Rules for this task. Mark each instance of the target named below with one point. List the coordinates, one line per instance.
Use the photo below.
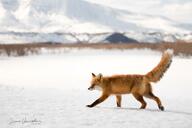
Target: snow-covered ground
(50, 90)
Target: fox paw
(161, 108)
(143, 107)
(90, 106)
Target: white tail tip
(169, 51)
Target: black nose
(90, 88)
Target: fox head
(96, 82)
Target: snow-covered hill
(77, 16)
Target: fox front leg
(101, 99)
(118, 100)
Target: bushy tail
(156, 74)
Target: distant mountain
(78, 16)
(119, 38)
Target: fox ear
(93, 75)
(100, 75)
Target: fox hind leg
(141, 100)
(118, 100)
(158, 101)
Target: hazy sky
(178, 10)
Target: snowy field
(50, 91)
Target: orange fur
(137, 85)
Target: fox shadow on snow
(152, 110)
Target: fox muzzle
(91, 87)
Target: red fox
(137, 85)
